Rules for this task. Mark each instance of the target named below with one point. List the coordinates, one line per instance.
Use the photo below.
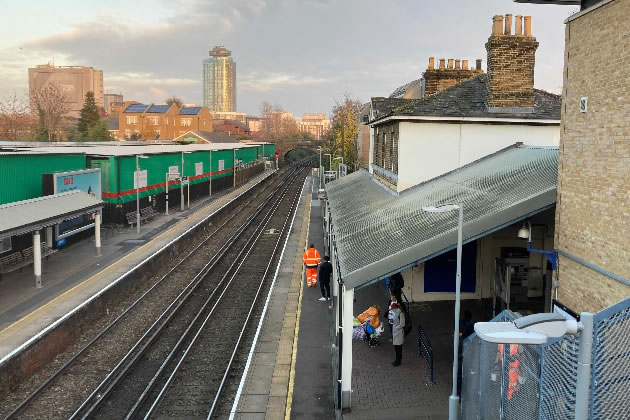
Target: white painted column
(346, 357)
(49, 236)
(37, 259)
(97, 233)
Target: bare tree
(52, 106)
(14, 117)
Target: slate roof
(377, 233)
(468, 99)
(400, 91)
(384, 106)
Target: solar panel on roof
(190, 110)
(136, 108)
(158, 109)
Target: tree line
(45, 118)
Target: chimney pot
(431, 63)
(528, 26)
(508, 25)
(518, 28)
(495, 23)
(450, 63)
(465, 64)
(499, 28)
(457, 65)
(478, 64)
(442, 63)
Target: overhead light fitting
(523, 232)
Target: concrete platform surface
(74, 274)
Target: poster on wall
(221, 165)
(173, 170)
(88, 181)
(140, 179)
(198, 168)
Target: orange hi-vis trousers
(311, 259)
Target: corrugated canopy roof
(378, 233)
(29, 215)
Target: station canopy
(27, 216)
(378, 232)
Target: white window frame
(186, 122)
(132, 120)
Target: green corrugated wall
(21, 175)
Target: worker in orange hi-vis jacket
(513, 373)
(311, 260)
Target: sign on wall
(88, 181)
(173, 169)
(140, 179)
(198, 168)
(221, 165)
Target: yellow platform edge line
(287, 414)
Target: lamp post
(453, 401)
(320, 166)
(330, 164)
(181, 184)
(138, 191)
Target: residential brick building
(192, 118)
(112, 101)
(149, 121)
(314, 124)
(592, 216)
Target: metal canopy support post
(234, 166)
(346, 356)
(37, 259)
(97, 233)
(585, 361)
(49, 237)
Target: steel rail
(140, 299)
(251, 310)
(127, 362)
(201, 328)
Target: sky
(300, 54)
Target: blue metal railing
(425, 350)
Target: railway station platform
(74, 274)
(290, 371)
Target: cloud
(257, 82)
(298, 53)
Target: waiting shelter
(34, 215)
(374, 232)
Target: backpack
(396, 282)
(408, 325)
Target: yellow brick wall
(593, 207)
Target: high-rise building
(75, 81)
(219, 81)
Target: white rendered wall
(428, 150)
(488, 249)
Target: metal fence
(540, 381)
(426, 350)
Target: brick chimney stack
(511, 59)
(449, 73)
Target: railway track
(196, 325)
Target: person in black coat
(325, 271)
